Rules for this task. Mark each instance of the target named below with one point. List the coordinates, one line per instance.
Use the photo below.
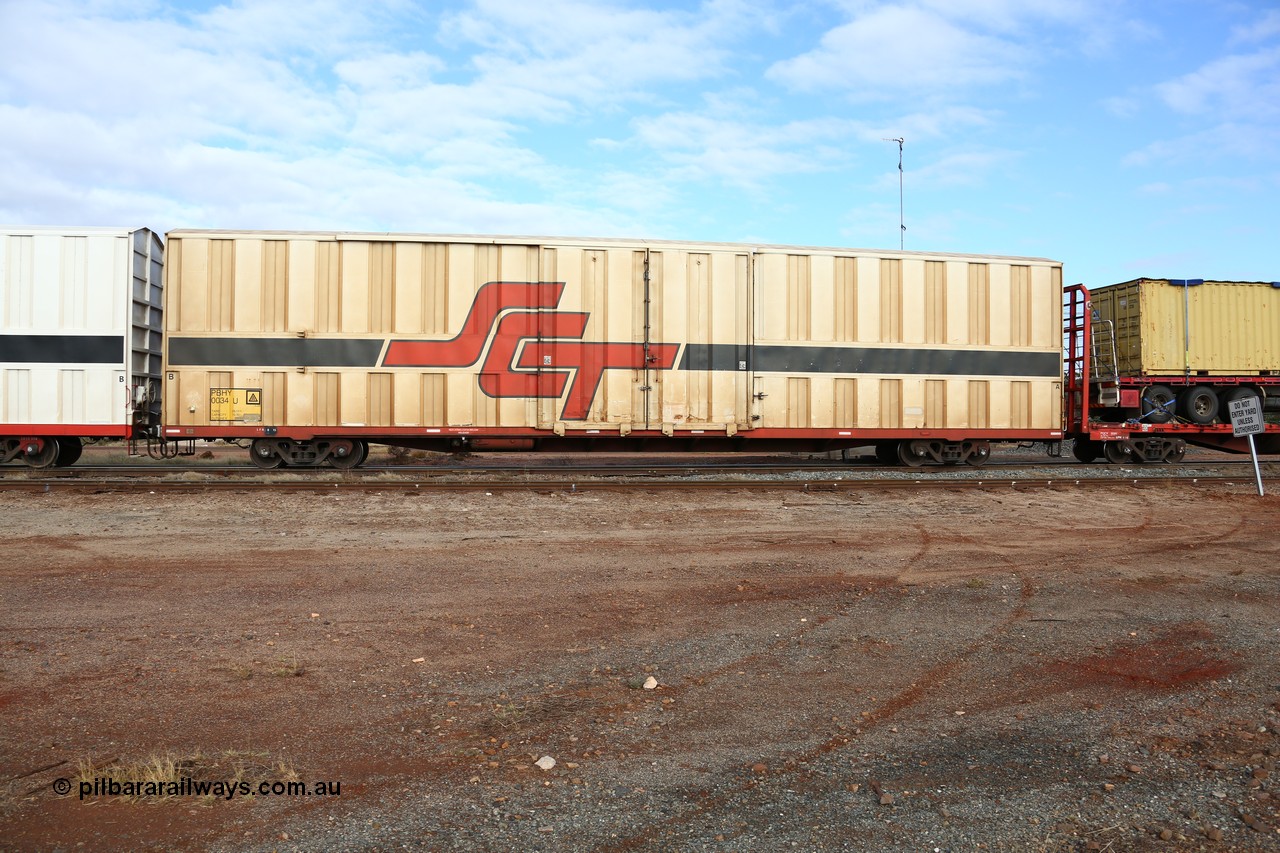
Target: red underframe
(609, 430)
(79, 430)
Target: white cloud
(379, 72)
(588, 52)
(941, 123)
(742, 153)
(158, 71)
(1245, 86)
(896, 48)
(1122, 106)
(962, 168)
(939, 46)
(1265, 27)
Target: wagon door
(703, 300)
(592, 353)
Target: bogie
(279, 452)
(920, 452)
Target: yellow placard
(235, 404)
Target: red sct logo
(531, 351)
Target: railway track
(865, 466)
(809, 477)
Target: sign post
(1246, 419)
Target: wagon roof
(528, 240)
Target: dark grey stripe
(274, 352)
(934, 362)
(716, 357)
(62, 349)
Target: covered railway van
(312, 345)
(80, 339)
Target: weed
(230, 767)
(287, 668)
(508, 714)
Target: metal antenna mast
(902, 223)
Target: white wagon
(80, 338)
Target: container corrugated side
(1214, 328)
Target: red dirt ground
(946, 668)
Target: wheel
(1199, 404)
(45, 457)
(1233, 394)
(913, 454)
(264, 455)
(1157, 404)
(981, 453)
(1086, 450)
(1177, 452)
(887, 453)
(1118, 452)
(348, 454)
(69, 450)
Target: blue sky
(1123, 138)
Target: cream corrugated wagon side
(80, 339)
(312, 345)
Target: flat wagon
(80, 339)
(312, 345)
(1154, 363)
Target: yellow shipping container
(1170, 328)
(310, 334)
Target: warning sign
(1246, 416)
(235, 404)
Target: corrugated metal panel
(328, 399)
(381, 400)
(799, 391)
(1021, 415)
(979, 410)
(845, 293)
(914, 305)
(890, 414)
(846, 401)
(890, 300)
(1020, 306)
(936, 306)
(275, 396)
(979, 304)
(434, 403)
(327, 302)
(1214, 328)
(799, 298)
(935, 404)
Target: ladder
(1104, 370)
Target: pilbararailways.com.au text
(188, 787)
